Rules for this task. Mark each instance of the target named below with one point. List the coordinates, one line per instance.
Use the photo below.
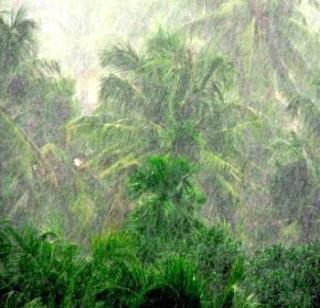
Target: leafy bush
(217, 255)
(40, 271)
(35, 267)
(176, 285)
(283, 277)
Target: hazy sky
(75, 31)
(78, 29)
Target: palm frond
(121, 57)
(27, 143)
(122, 164)
(122, 89)
(219, 165)
(52, 149)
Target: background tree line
(231, 85)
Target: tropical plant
(170, 99)
(270, 42)
(22, 166)
(36, 268)
(17, 45)
(28, 83)
(35, 102)
(274, 51)
(294, 185)
(176, 285)
(42, 271)
(283, 277)
(166, 222)
(168, 200)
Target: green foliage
(244, 128)
(294, 188)
(168, 179)
(272, 46)
(178, 267)
(36, 267)
(167, 199)
(176, 285)
(217, 255)
(22, 166)
(166, 222)
(169, 99)
(39, 270)
(17, 41)
(270, 42)
(283, 277)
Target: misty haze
(160, 153)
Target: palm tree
(295, 190)
(170, 99)
(36, 173)
(23, 171)
(17, 43)
(269, 41)
(274, 52)
(37, 85)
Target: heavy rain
(160, 153)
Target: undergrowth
(164, 256)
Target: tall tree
(169, 99)
(17, 44)
(275, 53)
(269, 41)
(37, 176)
(295, 190)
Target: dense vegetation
(193, 183)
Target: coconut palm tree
(28, 81)
(23, 171)
(269, 41)
(17, 44)
(168, 99)
(36, 173)
(295, 190)
(274, 51)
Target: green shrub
(35, 267)
(41, 271)
(283, 277)
(176, 285)
(117, 274)
(219, 259)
